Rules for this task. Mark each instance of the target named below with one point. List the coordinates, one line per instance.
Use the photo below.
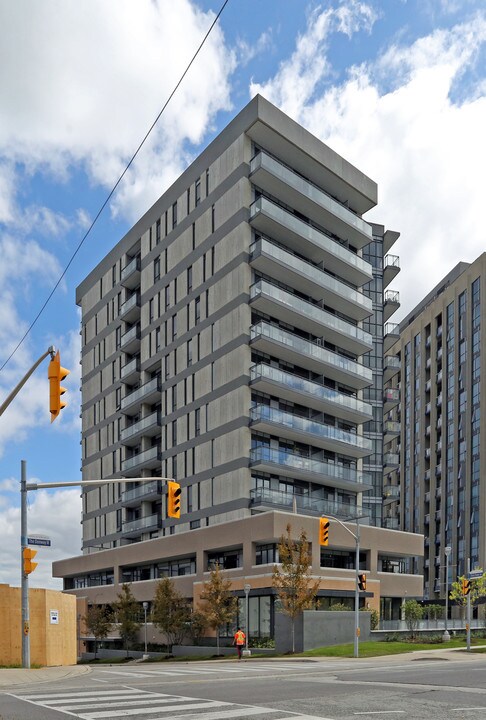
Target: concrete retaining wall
(319, 628)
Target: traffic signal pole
(24, 488)
(50, 351)
(468, 621)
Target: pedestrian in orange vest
(239, 640)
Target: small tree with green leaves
(413, 613)
(198, 626)
(295, 589)
(219, 605)
(478, 591)
(434, 612)
(127, 611)
(98, 621)
(171, 613)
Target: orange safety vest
(240, 637)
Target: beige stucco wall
(50, 644)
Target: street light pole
(446, 637)
(145, 608)
(24, 487)
(247, 589)
(356, 588)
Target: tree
(292, 580)
(478, 591)
(198, 626)
(170, 612)
(413, 613)
(219, 605)
(127, 611)
(98, 621)
(434, 612)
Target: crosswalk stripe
(81, 700)
(81, 694)
(161, 709)
(242, 712)
(121, 703)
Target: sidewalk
(21, 676)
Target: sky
(398, 87)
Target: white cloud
(54, 514)
(91, 79)
(396, 119)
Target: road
(425, 688)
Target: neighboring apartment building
(438, 488)
(233, 340)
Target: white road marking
(160, 709)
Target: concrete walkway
(10, 677)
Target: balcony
(279, 462)
(438, 470)
(439, 353)
(428, 385)
(427, 475)
(285, 424)
(438, 400)
(130, 310)
(147, 393)
(264, 499)
(141, 493)
(291, 387)
(390, 462)
(391, 493)
(391, 429)
(438, 447)
(391, 304)
(146, 460)
(389, 239)
(130, 372)
(391, 367)
(271, 259)
(147, 427)
(391, 523)
(280, 181)
(150, 523)
(130, 341)
(309, 355)
(427, 431)
(391, 334)
(283, 305)
(270, 219)
(427, 453)
(439, 377)
(391, 268)
(427, 519)
(130, 275)
(391, 398)
(427, 408)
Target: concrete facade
(51, 643)
(314, 629)
(234, 341)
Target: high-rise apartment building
(233, 340)
(438, 488)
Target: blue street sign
(45, 542)
(475, 574)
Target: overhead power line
(115, 186)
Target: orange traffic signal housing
(56, 375)
(362, 582)
(324, 531)
(173, 499)
(466, 586)
(28, 554)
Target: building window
(226, 560)
(188, 196)
(197, 310)
(189, 278)
(156, 269)
(197, 188)
(207, 182)
(197, 421)
(189, 352)
(118, 337)
(174, 327)
(213, 218)
(265, 554)
(157, 231)
(174, 214)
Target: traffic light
(324, 531)
(362, 582)
(466, 586)
(56, 375)
(28, 555)
(173, 499)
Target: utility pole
(24, 488)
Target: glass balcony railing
(150, 456)
(391, 395)
(313, 314)
(266, 455)
(150, 522)
(391, 459)
(137, 428)
(304, 503)
(311, 192)
(132, 267)
(320, 431)
(311, 273)
(313, 350)
(150, 388)
(132, 303)
(138, 493)
(307, 387)
(325, 246)
(131, 367)
(130, 336)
